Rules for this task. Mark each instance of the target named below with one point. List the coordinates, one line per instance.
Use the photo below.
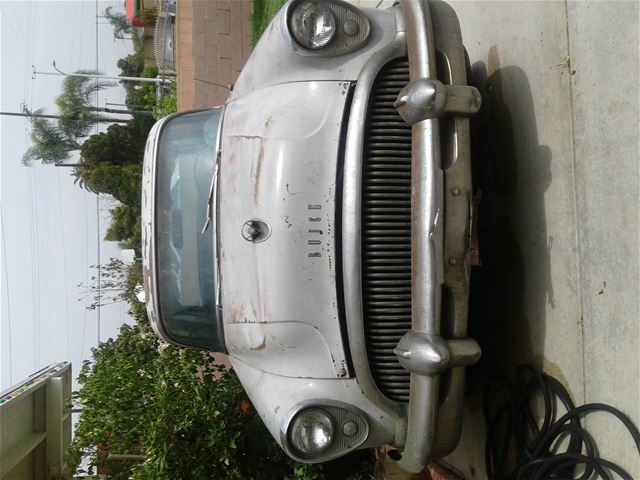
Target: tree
(119, 22)
(50, 143)
(118, 145)
(131, 65)
(121, 182)
(125, 227)
(187, 416)
(54, 141)
(77, 115)
(111, 162)
(118, 282)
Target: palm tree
(77, 115)
(53, 141)
(50, 143)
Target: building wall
(213, 44)
(35, 425)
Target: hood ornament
(256, 231)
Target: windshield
(184, 256)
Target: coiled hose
(514, 424)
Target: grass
(263, 12)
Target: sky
(50, 228)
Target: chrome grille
(386, 230)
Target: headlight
(325, 28)
(312, 24)
(311, 432)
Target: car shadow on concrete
(511, 289)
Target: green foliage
(77, 115)
(54, 141)
(168, 104)
(263, 13)
(116, 390)
(188, 417)
(125, 227)
(118, 145)
(119, 22)
(112, 164)
(131, 65)
(49, 144)
(144, 95)
(121, 182)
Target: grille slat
(386, 230)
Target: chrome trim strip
(215, 212)
(351, 224)
(149, 269)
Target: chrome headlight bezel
(325, 425)
(350, 429)
(351, 32)
(297, 29)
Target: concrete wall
(35, 425)
(213, 44)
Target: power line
(20, 42)
(64, 264)
(86, 256)
(6, 282)
(97, 193)
(35, 269)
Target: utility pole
(59, 73)
(28, 114)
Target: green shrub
(188, 417)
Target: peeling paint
(290, 184)
(256, 172)
(247, 137)
(259, 347)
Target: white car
(334, 192)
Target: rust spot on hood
(260, 347)
(256, 172)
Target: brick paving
(213, 43)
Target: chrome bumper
(422, 351)
(425, 428)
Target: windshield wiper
(212, 194)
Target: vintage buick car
(316, 228)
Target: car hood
(279, 165)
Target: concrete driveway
(561, 206)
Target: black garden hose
(513, 424)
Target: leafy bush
(125, 227)
(168, 104)
(189, 417)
